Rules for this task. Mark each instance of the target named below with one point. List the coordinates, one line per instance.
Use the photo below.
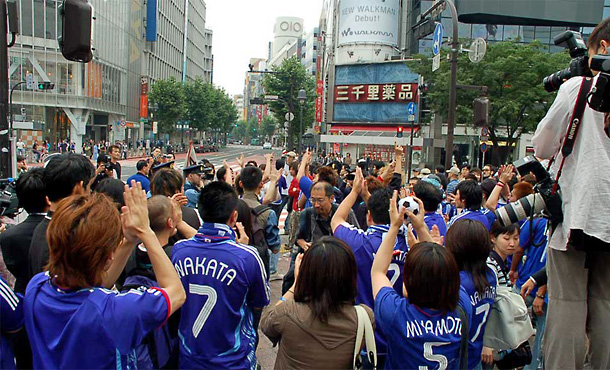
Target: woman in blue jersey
(424, 328)
(469, 242)
(72, 320)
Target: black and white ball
(410, 204)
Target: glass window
(39, 18)
(51, 19)
(26, 17)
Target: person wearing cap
(424, 173)
(453, 175)
(193, 183)
(143, 168)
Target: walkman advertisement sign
(369, 21)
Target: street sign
(436, 62)
(257, 101)
(286, 125)
(19, 117)
(438, 39)
(411, 108)
(154, 127)
(411, 118)
(484, 147)
(272, 97)
(289, 116)
(484, 131)
(477, 50)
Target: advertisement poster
(369, 22)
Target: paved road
(229, 154)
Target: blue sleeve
(351, 235)
(192, 196)
(272, 231)
(146, 186)
(130, 316)
(524, 235)
(387, 305)
(305, 185)
(11, 308)
(259, 292)
(491, 218)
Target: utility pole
(455, 46)
(5, 145)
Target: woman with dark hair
(431, 298)
(316, 320)
(72, 320)
(114, 189)
(505, 240)
(469, 242)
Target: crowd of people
(387, 271)
(102, 266)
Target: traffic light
(399, 131)
(481, 111)
(46, 86)
(76, 36)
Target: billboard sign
(369, 22)
(374, 93)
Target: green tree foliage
(513, 73)
(205, 106)
(240, 130)
(291, 76)
(169, 96)
(268, 127)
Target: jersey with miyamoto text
(224, 281)
(365, 244)
(419, 338)
(481, 307)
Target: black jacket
(15, 243)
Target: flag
(191, 156)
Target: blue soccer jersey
(481, 306)
(534, 258)
(11, 319)
(92, 328)
(365, 245)
(433, 218)
(484, 216)
(419, 338)
(224, 281)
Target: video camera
(545, 200)
(579, 66)
(9, 204)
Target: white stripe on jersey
(8, 295)
(254, 252)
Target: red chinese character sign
(377, 93)
(319, 100)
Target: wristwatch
(539, 296)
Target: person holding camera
(578, 258)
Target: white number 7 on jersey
(207, 307)
(483, 309)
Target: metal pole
(5, 157)
(10, 104)
(455, 44)
(301, 130)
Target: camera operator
(577, 265)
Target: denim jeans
(273, 261)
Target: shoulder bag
(365, 329)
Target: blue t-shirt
(484, 216)
(141, 179)
(365, 246)
(534, 258)
(481, 306)
(419, 337)
(433, 218)
(224, 281)
(11, 319)
(92, 328)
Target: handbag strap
(359, 334)
(369, 336)
(463, 364)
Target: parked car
(267, 145)
(204, 147)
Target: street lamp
(301, 97)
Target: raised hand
(241, 233)
(134, 215)
(398, 150)
(180, 198)
(436, 235)
(241, 161)
(506, 173)
(396, 217)
(358, 181)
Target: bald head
(160, 209)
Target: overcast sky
(242, 30)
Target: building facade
(100, 100)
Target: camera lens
(519, 210)
(554, 81)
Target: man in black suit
(15, 243)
